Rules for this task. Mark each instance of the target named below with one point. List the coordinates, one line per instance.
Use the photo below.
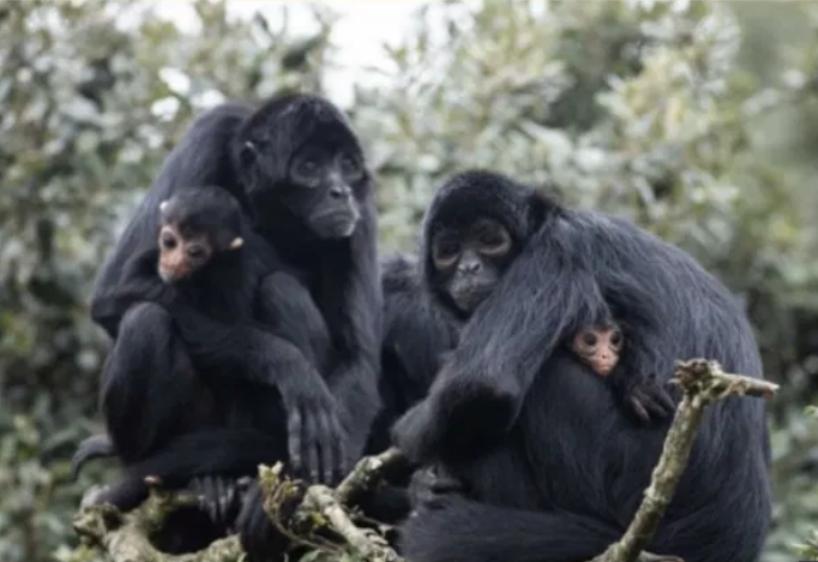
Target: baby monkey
(599, 346)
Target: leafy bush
(649, 110)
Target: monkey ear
(163, 206)
(237, 243)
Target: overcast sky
(363, 27)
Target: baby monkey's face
(599, 347)
(188, 242)
(182, 254)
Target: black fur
(341, 275)
(552, 466)
(213, 313)
(416, 334)
(421, 324)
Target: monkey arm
(252, 352)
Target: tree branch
(320, 518)
(322, 509)
(125, 537)
(702, 383)
(315, 517)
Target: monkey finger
(217, 514)
(660, 407)
(326, 439)
(226, 490)
(203, 487)
(311, 449)
(639, 409)
(294, 428)
(339, 450)
(659, 397)
(666, 399)
(653, 406)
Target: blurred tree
(649, 109)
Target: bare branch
(368, 473)
(702, 382)
(124, 537)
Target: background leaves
(697, 120)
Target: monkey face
(181, 256)
(323, 181)
(599, 347)
(195, 228)
(469, 261)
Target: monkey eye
(168, 241)
(494, 240)
(197, 253)
(616, 338)
(590, 339)
(350, 168)
(307, 172)
(494, 244)
(446, 253)
(307, 167)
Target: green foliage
(93, 100)
(794, 485)
(652, 110)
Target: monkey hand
(316, 439)
(645, 396)
(219, 497)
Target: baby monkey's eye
(196, 252)
(169, 241)
(590, 339)
(616, 338)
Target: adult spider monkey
(298, 170)
(548, 465)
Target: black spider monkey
(471, 236)
(547, 465)
(298, 170)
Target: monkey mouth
(336, 224)
(467, 297)
(168, 276)
(605, 369)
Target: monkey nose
(339, 191)
(470, 267)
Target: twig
(301, 515)
(702, 382)
(125, 537)
(367, 543)
(368, 473)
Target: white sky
(363, 27)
